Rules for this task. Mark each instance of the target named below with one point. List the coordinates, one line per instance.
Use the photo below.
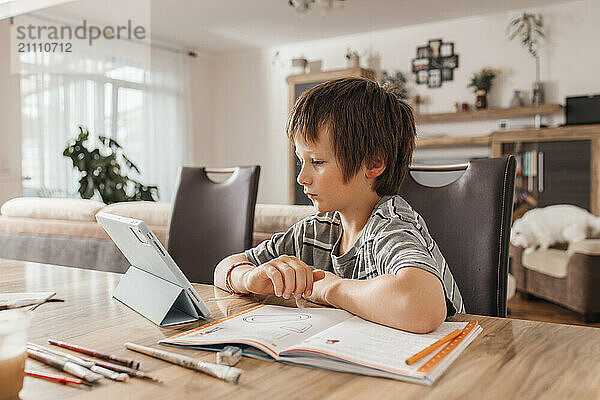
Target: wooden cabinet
(567, 163)
(298, 84)
(565, 173)
(553, 172)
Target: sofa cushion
(511, 287)
(52, 208)
(273, 218)
(550, 262)
(152, 213)
(590, 247)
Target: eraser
(230, 355)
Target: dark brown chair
(211, 220)
(470, 220)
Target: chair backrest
(211, 220)
(470, 221)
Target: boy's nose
(302, 178)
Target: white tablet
(143, 250)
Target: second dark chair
(470, 221)
(211, 220)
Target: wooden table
(510, 359)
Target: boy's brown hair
(365, 121)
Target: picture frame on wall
(447, 49)
(423, 52)
(435, 46)
(450, 62)
(435, 78)
(447, 74)
(434, 63)
(422, 76)
(420, 64)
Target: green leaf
(103, 174)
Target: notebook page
(362, 342)
(269, 328)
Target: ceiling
(222, 26)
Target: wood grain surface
(510, 359)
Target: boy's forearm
(386, 301)
(236, 275)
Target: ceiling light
(324, 6)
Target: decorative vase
(537, 97)
(315, 66)
(299, 65)
(481, 100)
(517, 100)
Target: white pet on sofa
(542, 227)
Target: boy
(366, 251)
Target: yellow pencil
(430, 348)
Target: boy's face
(323, 179)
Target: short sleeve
(279, 244)
(405, 246)
(398, 247)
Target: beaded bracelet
(228, 285)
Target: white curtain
(144, 106)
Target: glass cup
(14, 325)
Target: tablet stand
(161, 301)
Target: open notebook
(331, 339)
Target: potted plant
(482, 81)
(102, 171)
(396, 82)
(529, 28)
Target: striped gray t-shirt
(395, 236)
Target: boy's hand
(283, 276)
(322, 288)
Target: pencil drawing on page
(269, 319)
(291, 322)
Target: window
(143, 110)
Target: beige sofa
(65, 231)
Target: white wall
(250, 94)
(250, 106)
(202, 109)
(10, 122)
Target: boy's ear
(375, 167)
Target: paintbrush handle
(119, 368)
(52, 377)
(94, 353)
(229, 374)
(70, 357)
(66, 366)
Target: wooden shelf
(575, 132)
(327, 75)
(490, 113)
(571, 132)
(451, 141)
